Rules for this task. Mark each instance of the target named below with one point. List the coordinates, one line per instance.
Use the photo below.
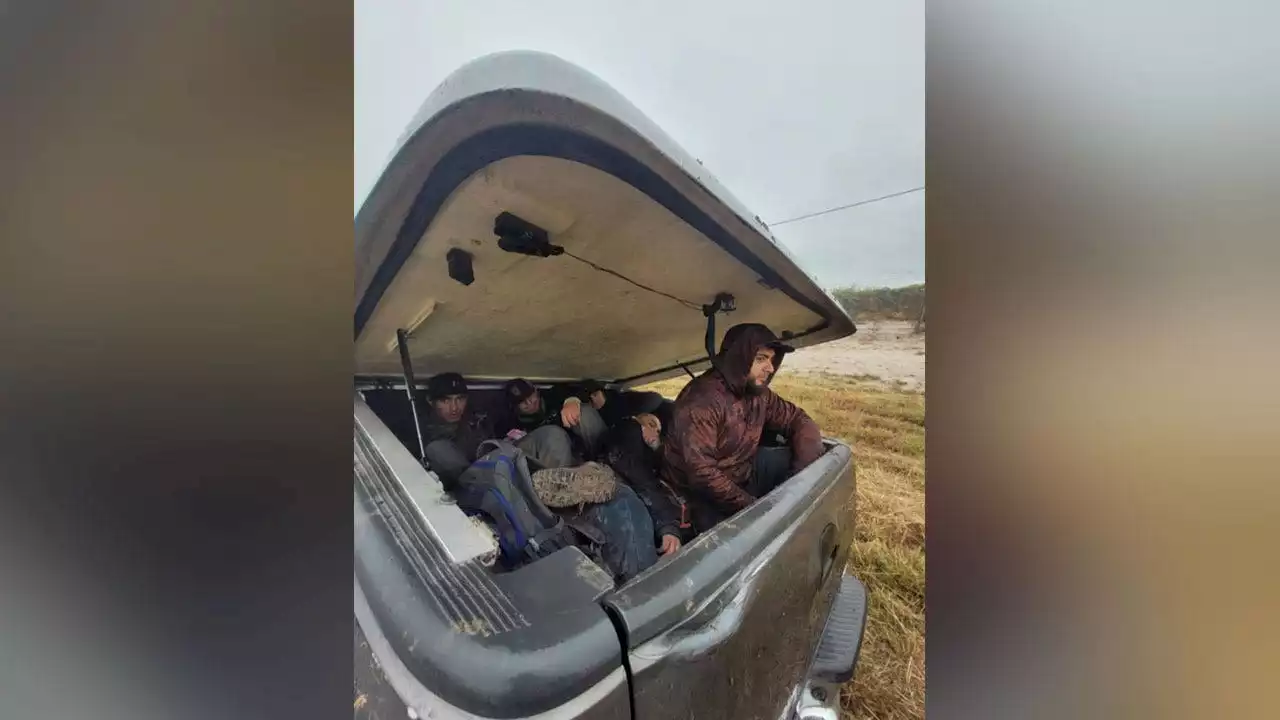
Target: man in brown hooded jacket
(713, 454)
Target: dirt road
(886, 351)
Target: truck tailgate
(730, 626)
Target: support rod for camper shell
(402, 340)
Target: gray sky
(795, 106)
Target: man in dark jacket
(532, 413)
(559, 431)
(452, 433)
(632, 450)
(713, 454)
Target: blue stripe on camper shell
(497, 143)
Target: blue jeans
(550, 446)
(628, 549)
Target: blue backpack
(498, 488)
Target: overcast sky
(795, 106)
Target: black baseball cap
(518, 390)
(446, 384)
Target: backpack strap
(488, 446)
(522, 480)
(548, 541)
(590, 540)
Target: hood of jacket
(738, 351)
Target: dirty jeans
(628, 530)
(624, 521)
(550, 446)
(448, 462)
(590, 430)
(628, 549)
(547, 447)
(772, 467)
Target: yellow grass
(885, 427)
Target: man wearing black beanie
(452, 431)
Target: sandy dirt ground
(886, 351)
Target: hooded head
(749, 356)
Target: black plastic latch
(520, 236)
(724, 302)
(460, 269)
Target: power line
(696, 306)
(845, 207)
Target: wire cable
(642, 286)
(698, 307)
(844, 207)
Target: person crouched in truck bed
(453, 430)
(633, 451)
(712, 455)
(617, 407)
(531, 415)
(558, 434)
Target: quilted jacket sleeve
(806, 436)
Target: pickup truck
(533, 223)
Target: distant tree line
(901, 303)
